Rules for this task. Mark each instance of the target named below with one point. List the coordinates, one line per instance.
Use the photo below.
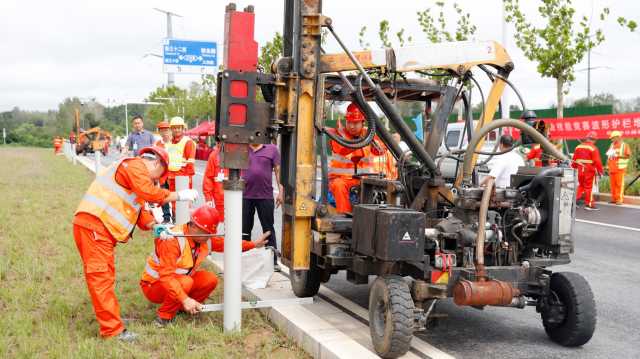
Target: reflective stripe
(590, 148)
(110, 210)
(209, 245)
(584, 161)
(152, 272)
(182, 271)
(111, 185)
(341, 171)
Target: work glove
(159, 229)
(187, 195)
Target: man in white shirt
(504, 165)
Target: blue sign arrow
(190, 56)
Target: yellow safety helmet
(177, 121)
(615, 134)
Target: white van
(455, 139)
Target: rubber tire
(306, 283)
(581, 316)
(391, 316)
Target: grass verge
(46, 310)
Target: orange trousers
(197, 286)
(97, 253)
(617, 186)
(586, 179)
(340, 187)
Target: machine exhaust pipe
(483, 292)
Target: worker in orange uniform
(165, 134)
(344, 160)
(107, 215)
(212, 181)
(182, 155)
(172, 275)
(535, 155)
(165, 140)
(57, 144)
(586, 159)
(617, 161)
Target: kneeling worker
(172, 275)
(107, 215)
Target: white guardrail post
(233, 251)
(182, 207)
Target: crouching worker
(172, 275)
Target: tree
(270, 52)
(561, 44)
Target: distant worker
(617, 161)
(504, 165)
(107, 215)
(57, 144)
(139, 138)
(72, 137)
(172, 275)
(165, 139)
(182, 153)
(586, 159)
(212, 182)
(535, 155)
(347, 162)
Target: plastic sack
(257, 267)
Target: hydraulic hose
(387, 107)
(537, 179)
(385, 136)
(537, 136)
(482, 220)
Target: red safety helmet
(161, 153)
(162, 125)
(354, 114)
(591, 135)
(206, 218)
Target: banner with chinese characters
(578, 127)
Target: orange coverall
(341, 170)
(617, 165)
(97, 246)
(536, 155)
(586, 159)
(212, 189)
(171, 289)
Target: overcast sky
(51, 50)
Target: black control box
(388, 233)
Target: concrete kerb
(606, 197)
(315, 335)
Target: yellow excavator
(424, 237)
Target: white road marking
(608, 225)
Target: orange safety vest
(620, 161)
(117, 207)
(342, 166)
(184, 265)
(587, 157)
(386, 164)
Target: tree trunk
(560, 97)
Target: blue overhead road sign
(185, 56)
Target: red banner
(578, 127)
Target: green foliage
(435, 27)
(194, 104)
(270, 52)
(560, 44)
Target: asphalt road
(606, 255)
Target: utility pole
(589, 76)
(169, 14)
(505, 43)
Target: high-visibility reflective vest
(176, 154)
(385, 164)
(186, 262)
(343, 166)
(617, 162)
(587, 157)
(117, 207)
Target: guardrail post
(182, 207)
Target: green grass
(44, 305)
